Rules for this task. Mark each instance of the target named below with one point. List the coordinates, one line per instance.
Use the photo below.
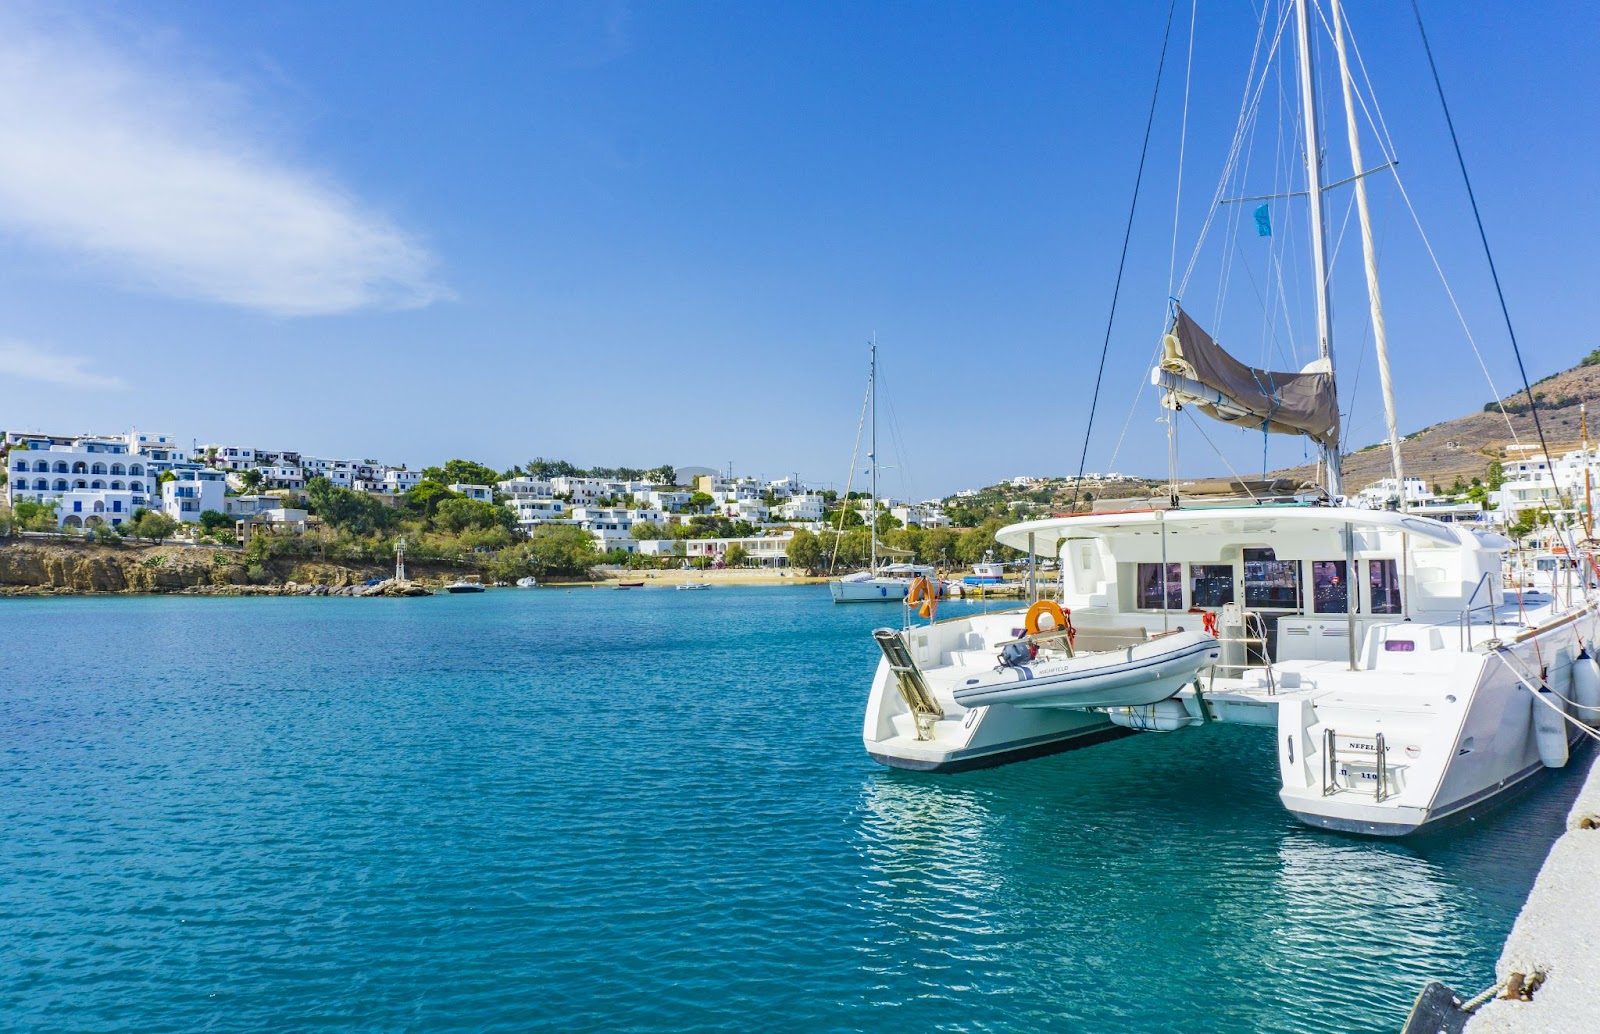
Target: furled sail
(1196, 371)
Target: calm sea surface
(651, 810)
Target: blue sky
(633, 234)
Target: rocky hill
(1465, 446)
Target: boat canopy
(1196, 371)
(1244, 521)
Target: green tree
(1496, 475)
(665, 474)
(887, 522)
(151, 525)
(560, 549)
(938, 546)
(214, 521)
(423, 499)
(648, 530)
(36, 516)
(251, 481)
(805, 551)
(347, 509)
(544, 469)
(973, 544)
(735, 556)
(699, 501)
(462, 472)
(459, 515)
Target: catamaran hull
(1143, 674)
(874, 591)
(1442, 764)
(1004, 754)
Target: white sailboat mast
(1319, 243)
(1369, 253)
(872, 508)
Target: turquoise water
(651, 811)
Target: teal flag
(1263, 222)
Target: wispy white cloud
(147, 165)
(32, 363)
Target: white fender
(1586, 689)
(1550, 730)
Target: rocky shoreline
(68, 568)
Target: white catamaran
(1405, 683)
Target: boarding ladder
(1358, 750)
(908, 679)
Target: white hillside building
(192, 492)
(92, 480)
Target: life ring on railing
(1208, 618)
(1059, 618)
(926, 593)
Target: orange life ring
(923, 591)
(1059, 619)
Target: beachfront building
(762, 550)
(189, 493)
(92, 480)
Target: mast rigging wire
(1127, 237)
(1494, 274)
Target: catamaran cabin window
(1383, 583)
(1330, 588)
(1152, 587)
(1270, 582)
(1210, 585)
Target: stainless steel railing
(1464, 625)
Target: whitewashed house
(807, 507)
(92, 480)
(192, 492)
(477, 493)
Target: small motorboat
(1123, 676)
(527, 583)
(694, 585)
(464, 585)
(630, 585)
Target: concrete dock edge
(1556, 939)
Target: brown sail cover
(1284, 403)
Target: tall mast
(1319, 243)
(872, 509)
(1369, 253)
(1588, 489)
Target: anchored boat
(1405, 683)
(1399, 675)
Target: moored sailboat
(1406, 687)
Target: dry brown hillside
(1464, 446)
